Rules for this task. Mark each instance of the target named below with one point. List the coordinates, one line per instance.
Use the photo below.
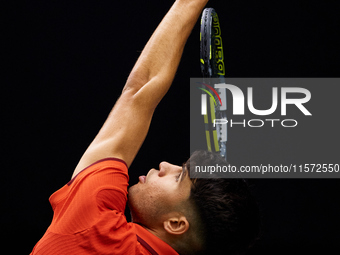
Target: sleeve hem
(98, 161)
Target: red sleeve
(100, 187)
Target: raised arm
(127, 125)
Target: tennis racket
(212, 66)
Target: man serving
(171, 212)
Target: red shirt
(89, 216)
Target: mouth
(142, 178)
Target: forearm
(161, 56)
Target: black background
(64, 65)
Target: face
(159, 193)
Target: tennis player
(171, 212)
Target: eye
(177, 177)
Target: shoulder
(88, 186)
(100, 187)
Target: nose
(165, 168)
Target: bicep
(124, 130)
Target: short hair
(230, 219)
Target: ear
(176, 225)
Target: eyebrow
(184, 172)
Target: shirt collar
(152, 243)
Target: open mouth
(142, 178)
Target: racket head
(211, 47)
(212, 66)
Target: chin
(132, 190)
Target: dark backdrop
(66, 63)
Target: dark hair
(229, 213)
